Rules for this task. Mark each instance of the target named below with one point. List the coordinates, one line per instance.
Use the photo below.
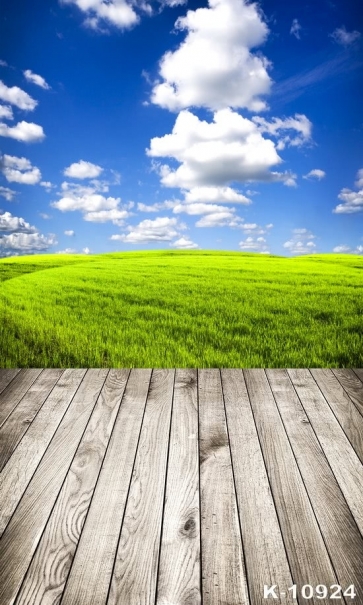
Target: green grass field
(181, 309)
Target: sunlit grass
(181, 309)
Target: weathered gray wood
(351, 383)
(6, 376)
(90, 575)
(266, 561)
(344, 409)
(15, 391)
(359, 373)
(135, 572)
(340, 532)
(18, 422)
(223, 567)
(179, 567)
(305, 547)
(24, 530)
(19, 470)
(46, 577)
(345, 463)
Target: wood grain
(353, 386)
(46, 577)
(359, 373)
(136, 564)
(15, 391)
(343, 460)
(306, 551)
(340, 532)
(19, 470)
(342, 406)
(223, 567)
(25, 528)
(90, 575)
(179, 567)
(6, 376)
(19, 420)
(266, 561)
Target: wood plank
(223, 567)
(19, 470)
(6, 376)
(359, 373)
(90, 575)
(306, 551)
(179, 567)
(46, 577)
(265, 555)
(15, 391)
(135, 571)
(340, 532)
(25, 528)
(343, 460)
(353, 386)
(344, 409)
(18, 422)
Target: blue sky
(129, 125)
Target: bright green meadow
(181, 309)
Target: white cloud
(13, 224)
(215, 195)
(213, 154)
(70, 233)
(44, 216)
(316, 173)
(86, 203)
(343, 37)
(214, 66)
(3, 63)
(6, 112)
(161, 229)
(220, 218)
(83, 170)
(19, 170)
(86, 250)
(103, 216)
(67, 251)
(17, 96)
(36, 79)
(149, 207)
(7, 193)
(254, 244)
(118, 13)
(301, 242)
(299, 123)
(295, 29)
(25, 243)
(184, 243)
(27, 132)
(352, 200)
(342, 249)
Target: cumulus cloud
(214, 154)
(19, 170)
(19, 237)
(295, 29)
(161, 229)
(70, 233)
(341, 36)
(17, 96)
(299, 123)
(344, 249)
(118, 13)
(352, 200)
(67, 251)
(7, 193)
(214, 66)
(36, 79)
(184, 243)
(83, 170)
(316, 173)
(215, 195)
(116, 216)
(86, 203)
(27, 132)
(6, 112)
(301, 242)
(254, 244)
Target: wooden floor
(180, 487)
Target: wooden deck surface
(186, 487)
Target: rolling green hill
(181, 309)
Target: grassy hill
(181, 309)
